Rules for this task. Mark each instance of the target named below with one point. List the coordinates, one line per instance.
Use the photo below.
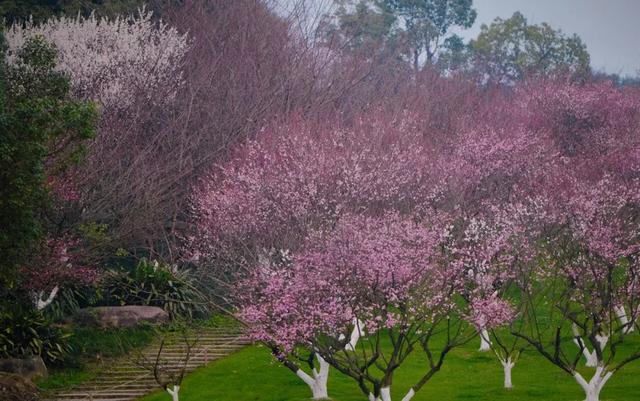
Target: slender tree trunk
(485, 342)
(356, 333)
(624, 320)
(385, 395)
(507, 365)
(43, 303)
(590, 356)
(317, 383)
(174, 392)
(593, 387)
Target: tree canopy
(42, 132)
(415, 29)
(510, 49)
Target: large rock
(121, 316)
(17, 388)
(31, 368)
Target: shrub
(72, 298)
(24, 332)
(155, 284)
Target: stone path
(124, 380)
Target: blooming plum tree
(589, 266)
(486, 247)
(294, 182)
(385, 271)
(112, 61)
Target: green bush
(42, 133)
(71, 298)
(155, 284)
(25, 332)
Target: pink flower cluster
(389, 224)
(382, 270)
(59, 261)
(490, 312)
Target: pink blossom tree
(302, 177)
(386, 271)
(590, 270)
(63, 258)
(287, 195)
(560, 143)
(297, 180)
(585, 172)
(484, 249)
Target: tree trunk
(43, 303)
(356, 333)
(385, 395)
(590, 356)
(317, 383)
(624, 320)
(174, 392)
(593, 387)
(485, 342)
(585, 351)
(507, 365)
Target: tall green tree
(428, 23)
(364, 24)
(511, 49)
(417, 29)
(41, 133)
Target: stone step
(193, 351)
(202, 344)
(181, 356)
(110, 391)
(127, 381)
(102, 397)
(101, 386)
(114, 381)
(94, 397)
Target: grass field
(251, 375)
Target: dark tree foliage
(41, 130)
(40, 10)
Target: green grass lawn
(251, 375)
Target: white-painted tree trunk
(43, 303)
(485, 342)
(593, 387)
(590, 356)
(385, 395)
(174, 392)
(507, 366)
(317, 383)
(356, 333)
(624, 320)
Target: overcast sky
(610, 28)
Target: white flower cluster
(112, 61)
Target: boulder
(121, 316)
(31, 368)
(17, 388)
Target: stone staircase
(125, 380)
